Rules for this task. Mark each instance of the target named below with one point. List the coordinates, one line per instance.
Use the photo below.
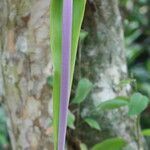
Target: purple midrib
(65, 76)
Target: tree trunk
(26, 64)
(103, 62)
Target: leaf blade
(56, 47)
(110, 144)
(78, 14)
(71, 120)
(113, 104)
(56, 44)
(92, 123)
(137, 104)
(83, 89)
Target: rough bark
(103, 62)
(26, 64)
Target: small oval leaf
(83, 89)
(137, 104)
(92, 123)
(110, 144)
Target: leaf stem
(139, 136)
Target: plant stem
(138, 128)
(79, 77)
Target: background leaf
(71, 120)
(50, 81)
(126, 82)
(83, 89)
(3, 140)
(83, 146)
(146, 132)
(92, 123)
(83, 35)
(110, 144)
(3, 129)
(113, 104)
(137, 104)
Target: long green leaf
(56, 45)
(78, 13)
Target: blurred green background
(136, 17)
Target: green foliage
(126, 82)
(92, 123)
(113, 104)
(78, 14)
(3, 140)
(83, 146)
(146, 132)
(111, 144)
(137, 33)
(71, 120)
(3, 130)
(56, 47)
(145, 88)
(137, 104)
(50, 81)
(83, 89)
(136, 27)
(56, 44)
(83, 35)
(136, 40)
